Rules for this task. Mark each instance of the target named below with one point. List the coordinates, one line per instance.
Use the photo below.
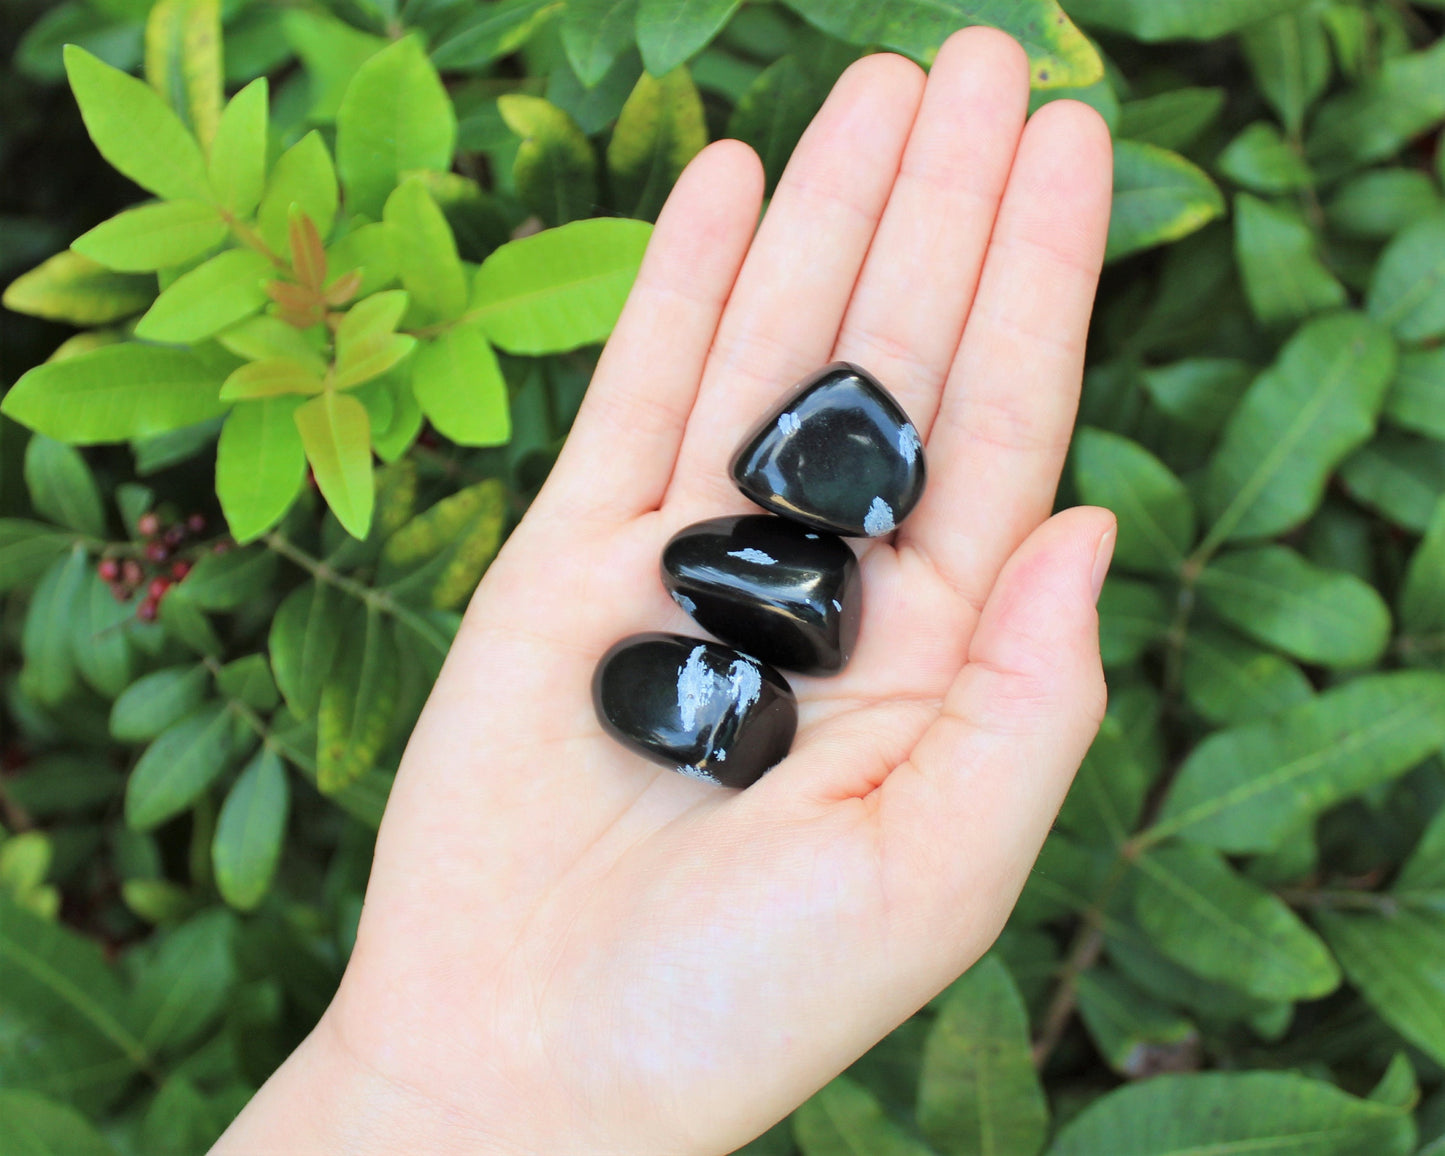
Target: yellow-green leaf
(459, 386)
(1158, 197)
(337, 435)
(151, 237)
(304, 176)
(71, 287)
(226, 289)
(183, 61)
(555, 170)
(135, 130)
(271, 377)
(238, 154)
(660, 129)
(425, 252)
(358, 704)
(260, 465)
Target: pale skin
(568, 950)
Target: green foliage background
(322, 372)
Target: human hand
(567, 950)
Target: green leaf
(185, 982)
(660, 129)
(238, 154)
(1132, 617)
(1156, 517)
(367, 344)
(260, 465)
(1158, 197)
(333, 51)
(1399, 477)
(249, 833)
(175, 770)
(844, 1119)
(61, 981)
(1198, 391)
(258, 338)
(1422, 595)
(115, 393)
(559, 289)
(1177, 19)
(1374, 120)
(774, 111)
(555, 170)
(358, 704)
(1417, 398)
(186, 622)
(426, 253)
(305, 177)
(248, 680)
(395, 117)
(26, 549)
(1107, 795)
(275, 377)
(231, 580)
(37, 1126)
(1131, 1030)
(180, 1120)
(1262, 160)
(672, 32)
(1301, 417)
(1234, 1112)
(157, 701)
(1248, 788)
(100, 637)
(226, 289)
(1217, 923)
(49, 672)
(1275, 596)
(1407, 291)
(1424, 871)
(1060, 55)
(183, 61)
(1283, 278)
(61, 486)
(134, 129)
(1290, 58)
(492, 31)
(336, 434)
(1397, 962)
(1231, 681)
(439, 556)
(460, 387)
(305, 636)
(1378, 204)
(978, 1091)
(1173, 119)
(595, 33)
(156, 236)
(72, 288)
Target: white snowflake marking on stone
(721, 755)
(878, 519)
(814, 537)
(908, 443)
(838, 606)
(788, 423)
(694, 687)
(751, 555)
(684, 601)
(698, 773)
(745, 683)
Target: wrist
(325, 1101)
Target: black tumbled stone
(699, 707)
(838, 453)
(771, 587)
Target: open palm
(566, 949)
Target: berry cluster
(158, 567)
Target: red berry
(175, 536)
(222, 547)
(109, 569)
(146, 611)
(196, 523)
(148, 525)
(158, 587)
(130, 572)
(157, 551)
(180, 569)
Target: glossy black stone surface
(770, 587)
(701, 708)
(838, 453)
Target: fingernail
(1103, 555)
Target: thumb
(984, 783)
